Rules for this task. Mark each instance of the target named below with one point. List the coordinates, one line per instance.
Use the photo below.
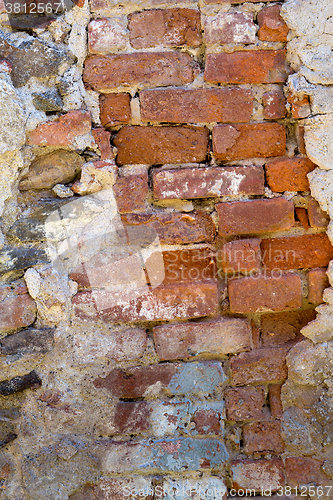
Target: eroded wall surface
(161, 251)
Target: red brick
(209, 182)
(300, 108)
(258, 366)
(62, 131)
(280, 328)
(104, 73)
(262, 437)
(254, 66)
(189, 264)
(272, 27)
(225, 336)
(174, 228)
(164, 303)
(166, 27)
(274, 104)
(16, 312)
(157, 145)
(207, 422)
(131, 192)
(131, 417)
(297, 252)
(317, 282)
(255, 216)
(275, 403)
(196, 106)
(304, 470)
(289, 174)
(272, 293)
(317, 217)
(102, 139)
(230, 27)
(257, 474)
(240, 256)
(258, 140)
(301, 215)
(245, 403)
(115, 109)
(106, 35)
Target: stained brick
(156, 145)
(255, 66)
(17, 312)
(304, 470)
(245, 403)
(274, 104)
(257, 474)
(131, 192)
(280, 328)
(317, 217)
(169, 302)
(188, 183)
(131, 417)
(255, 216)
(196, 106)
(317, 282)
(258, 366)
(166, 27)
(297, 252)
(263, 436)
(207, 422)
(189, 264)
(238, 142)
(115, 109)
(230, 27)
(272, 293)
(289, 174)
(240, 256)
(272, 27)
(225, 336)
(104, 73)
(106, 35)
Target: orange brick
(289, 174)
(255, 66)
(317, 282)
(317, 217)
(255, 216)
(240, 256)
(297, 252)
(265, 293)
(115, 109)
(274, 103)
(272, 27)
(241, 141)
(189, 264)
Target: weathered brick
(255, 66)
(130, 417)
(257, 474)
(280, 328)
(299, 133)
(273, 293)
(258, 140)
(245, 403)
(207, 422)
(317, 282)
(16, 312)
(230, 27)
(204, 487)
(257, 366)
(163, 379)
(102, 139)
(169, 302)
(156, 145)
(275, 403)
(166, 27)
(174, 228)
(272, 27)
(301, 215)
(115, 109)
(225, 336)
(263, 436)
(117, 489)
(274, 104)
(168, 418)
(304, 470)
(240, 256)
(189, 264)
(196, 106)
(255, 216)
(289, 174)
(104, 73)
(131, 192)
(317, 217)
(63, 131)
(297, 252)
(106, 35)
(209, 182)
(126, 344)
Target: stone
(7, 433)
(27, 341)
(301, 433)
(20, 258)
(29, 381)
(47, 101)
(59, 167)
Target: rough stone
(47, 101)
(20, 258)
(29, 381)
(27, 341)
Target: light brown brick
(279, 328)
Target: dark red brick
(131, 192)
(304, 470)
(131, 417)
(274, 105)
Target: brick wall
(163, 369)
